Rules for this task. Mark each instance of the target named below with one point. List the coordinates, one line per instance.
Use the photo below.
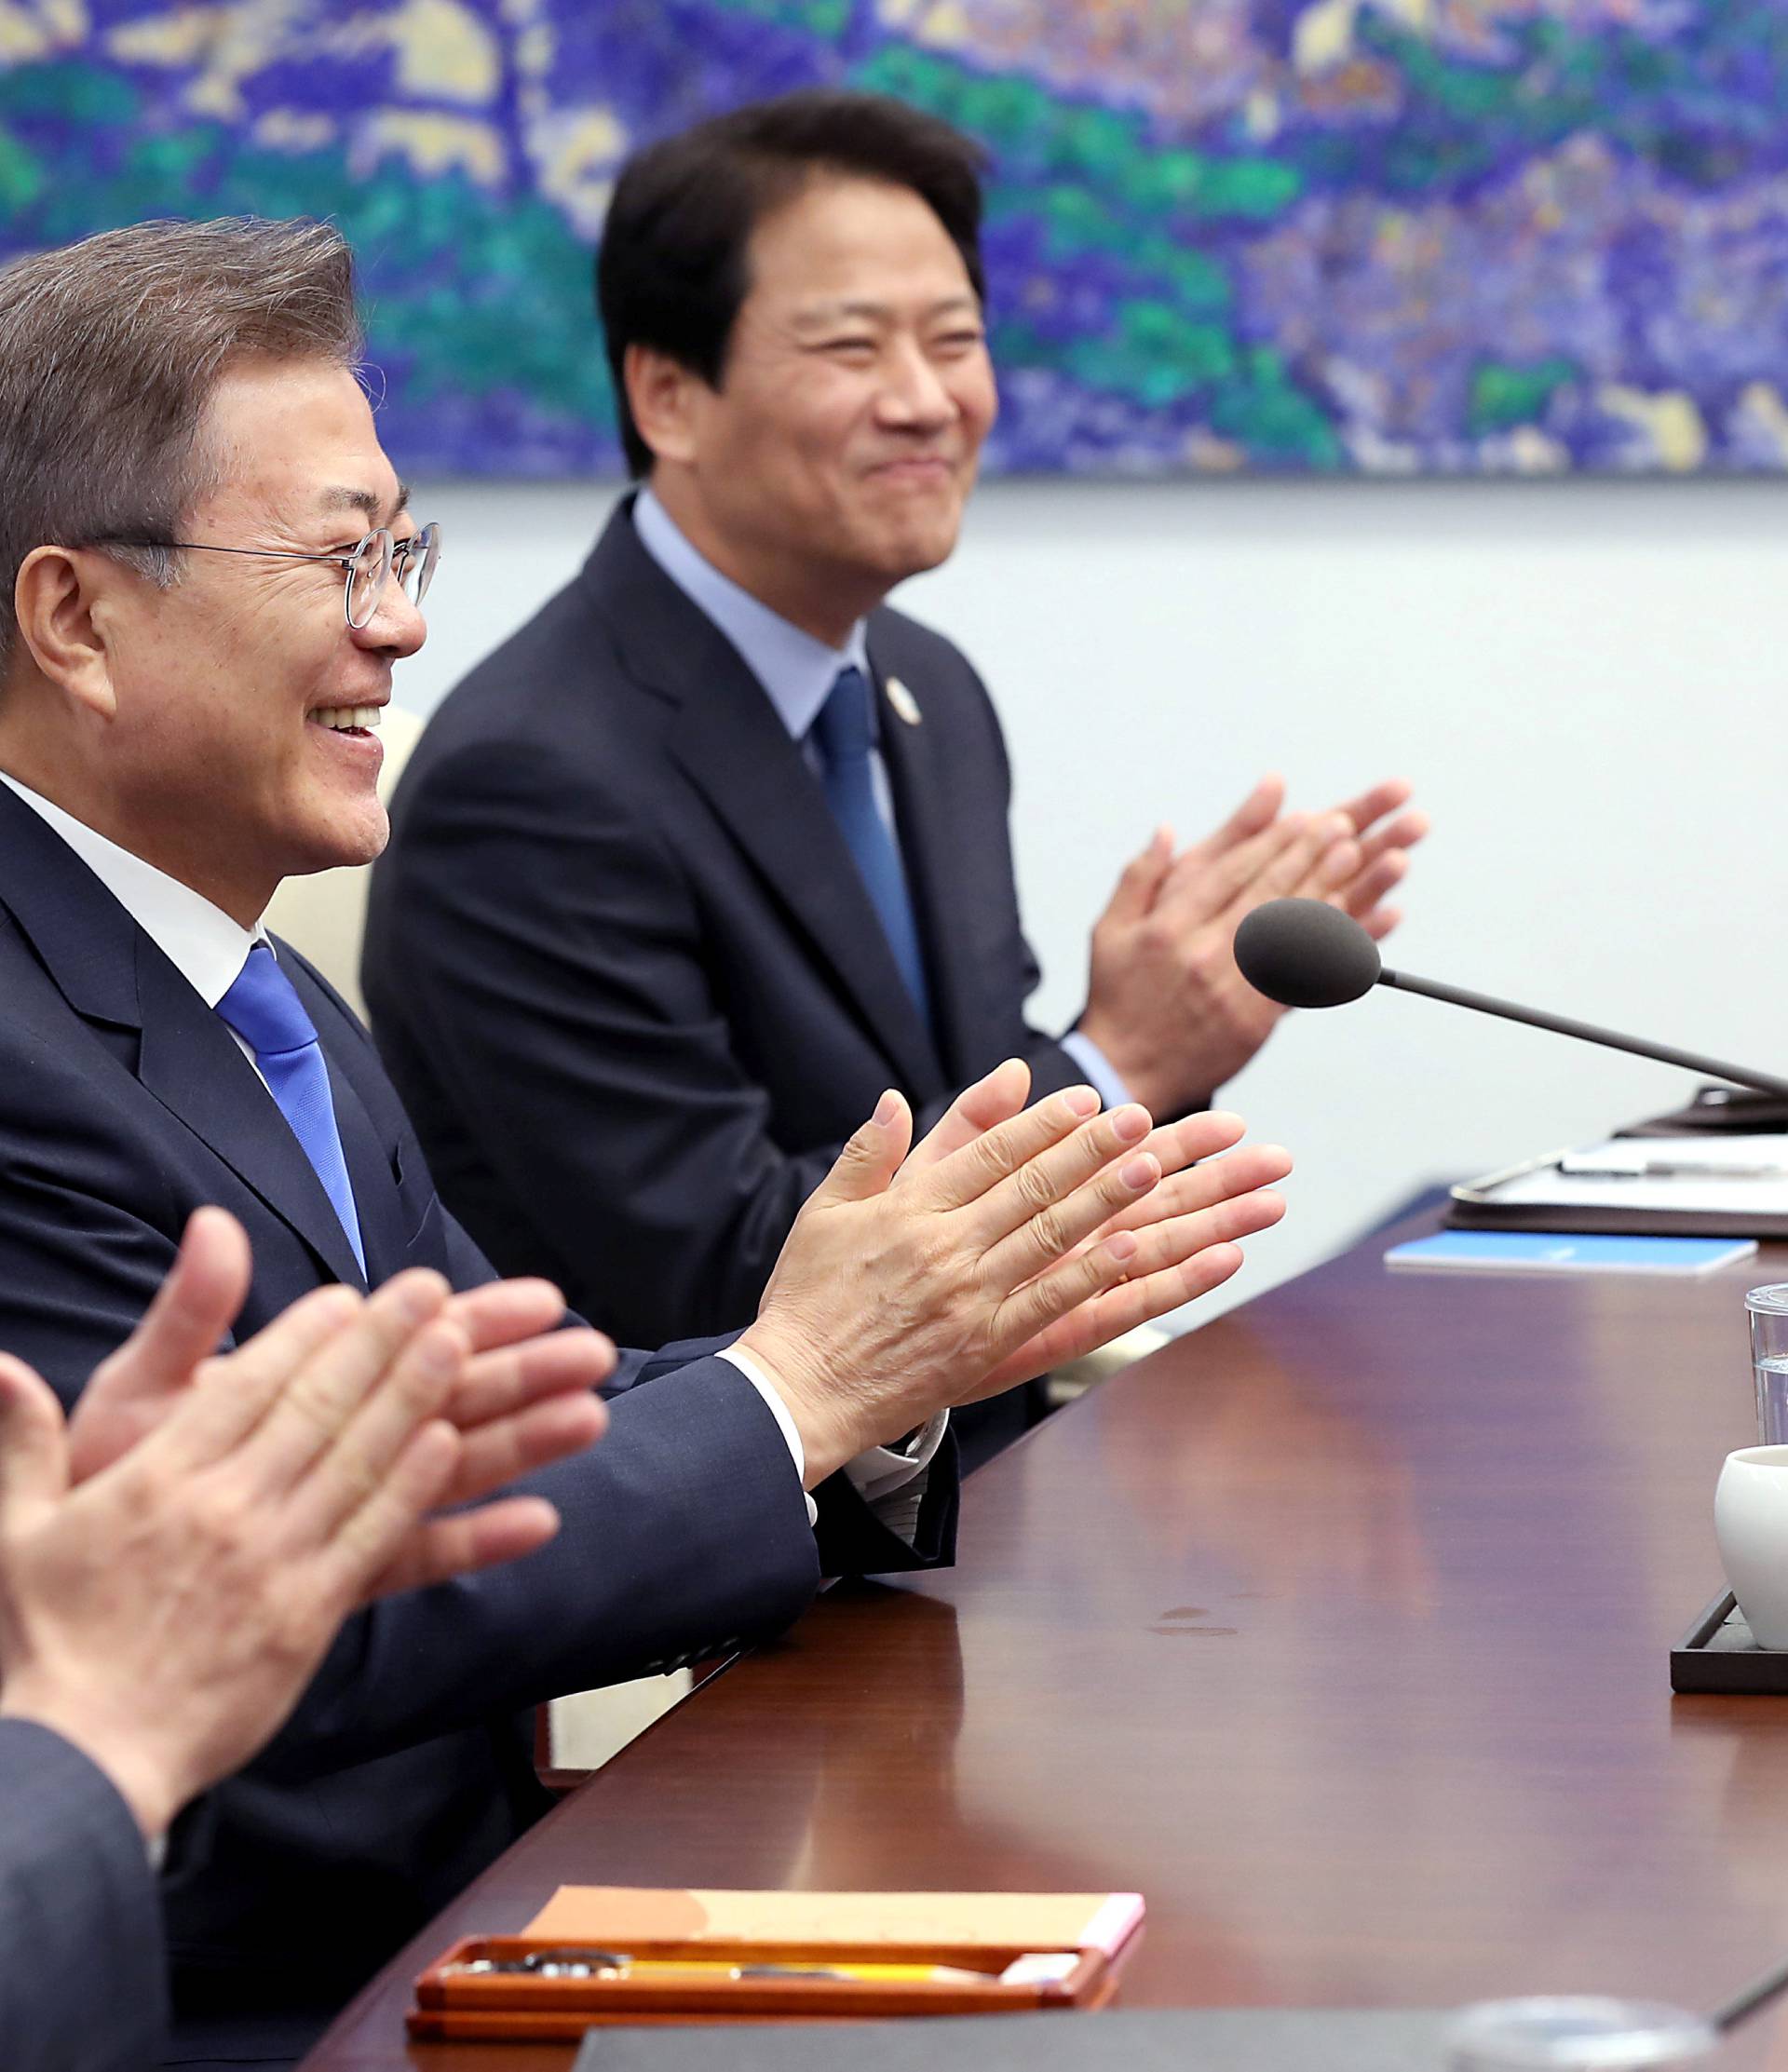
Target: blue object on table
(1561, 1252)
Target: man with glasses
(192, 474)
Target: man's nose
(397, 626)
(915, 394)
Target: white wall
(1582, 679)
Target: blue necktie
(844, 733)
(269, 1017)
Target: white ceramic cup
(1751, 1523)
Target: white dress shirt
(208, 949)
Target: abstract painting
(1327, 236)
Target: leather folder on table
(599, 1955)
(1705, 1186)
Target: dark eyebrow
(365, 502)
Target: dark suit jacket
(125, 1103)
(623, 968)
(81, 1964)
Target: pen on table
(1668, 1169)
(572, 1963)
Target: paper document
(1707, 1174)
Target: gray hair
(110, 350)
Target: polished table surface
(1339, 1630)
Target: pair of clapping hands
(1166, 1004)
(176, 1557)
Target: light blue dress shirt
(797, 673)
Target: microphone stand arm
(1715, 1068)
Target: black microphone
(1307, 954)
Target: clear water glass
(1577, 2034)
(1768, 1313)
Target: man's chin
(918, 548)
(347, 842)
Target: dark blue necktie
(844, 733)
(269, 1017)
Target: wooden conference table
(1338, 1629)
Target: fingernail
(1121, 1246)
(1130, 1124)
(887, 1108)
(1139, 1173)
(1081, 1101)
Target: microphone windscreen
(1307, 954)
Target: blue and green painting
(1378, 236)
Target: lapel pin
(903, 702)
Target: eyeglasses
(368, 568)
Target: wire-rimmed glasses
(369, 568)
(366, 569)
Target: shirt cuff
(883, 1470)
(157, 1846)
(880, 1473)
(785, 1424)
(1093, 1062)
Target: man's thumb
(34, 1444)
(868, 1163)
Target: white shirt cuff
(875, 1474)
(883, 1470)
(1093, 1062)
(785, 1424)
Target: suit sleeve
(82, 1966)
(683, 1531)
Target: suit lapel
(368, 1173)
(728, 740)
(193, 1067)
(376, 1198)
(111, 973)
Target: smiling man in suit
(716, 845)
(208, 573)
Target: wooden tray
(1718, 1654)
(454, 2004)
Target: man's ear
(661, 395)
(59, 604)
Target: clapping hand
(1015, 1240)
(164, 1611)
(1165, 1002)
(1211, 1194)
(521, 1399)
